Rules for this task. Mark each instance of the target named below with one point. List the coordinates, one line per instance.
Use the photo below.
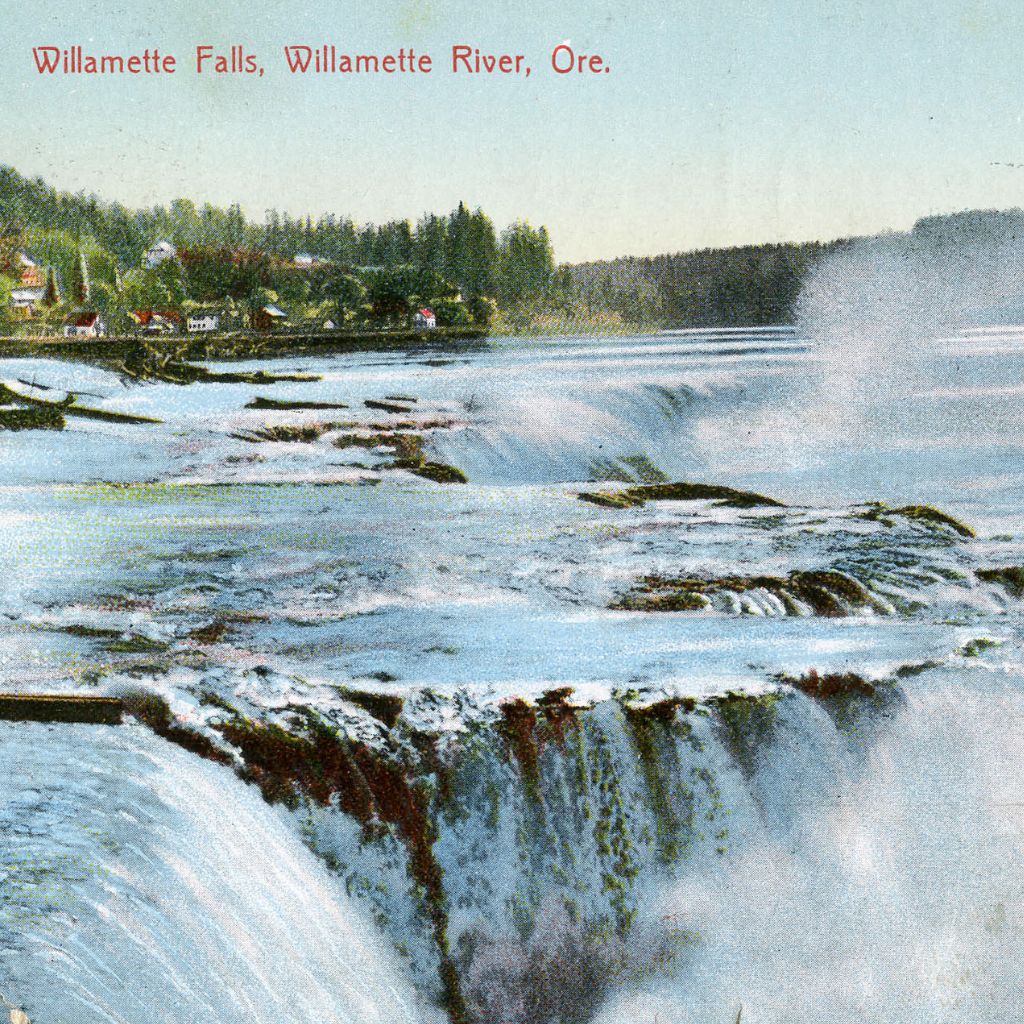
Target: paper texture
(510, 514)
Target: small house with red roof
(85, 325)
(32, 274)
(152, 322)
(424, 319)
(37, 287)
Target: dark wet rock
(152, 710)
(439, 472)
(372, 403)
(293, 433)
(832, 684)
(825, 592)
(91, 632)
(747, 723)
(20, 418)
(929, 515)
(1009, 577)
(152, 366)
(385, 707)
(673, 601)
(633, 497)
(375, 787)
(976, 647)
(211, 633)
(134, 643)
(46, 414)
(857, 705)
(260, 402)
(407, 447)
(408, 450)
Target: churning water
(871, 873)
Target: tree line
(458, 261)
(742, 286)
(376, 273)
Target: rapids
(526, 795)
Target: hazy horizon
(718, 124)
(199, 200)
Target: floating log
(37, 707)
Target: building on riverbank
(424, 319)
(203, 323)
(268, 317)
(37, 286)
(152, 322)
(85, 325)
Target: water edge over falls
(137, 886)
(577, 742)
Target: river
(820, 857)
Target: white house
(158, 254)
(27, 300)
(203, 323)
(424, 320)
(30, 292)
(87, 325)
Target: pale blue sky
(721, 122)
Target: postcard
(511, 514)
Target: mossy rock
(27, 418)
(408, 447)
(92, 632)
(682, 491)
(291, 433)
(645, 471)
(609, 499)
(1009, 577)
(153, 711)
(439, 472)
(748, 723)
(385, 707)
(974, 648)
(373, 403)
(48, 413)
(926, 514)
(136, 644)
(259, 402)
(150, 364)
(678, 601)
(829, 685)
(826, 592)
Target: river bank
(234, 346)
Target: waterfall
(891, 892)
(141, 885)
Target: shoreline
(234, 346)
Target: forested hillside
(371, 273)
(332, 270)
(742, 286)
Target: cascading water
(886, 888)
(142, 885)
(648, 754)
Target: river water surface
(875, 880)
